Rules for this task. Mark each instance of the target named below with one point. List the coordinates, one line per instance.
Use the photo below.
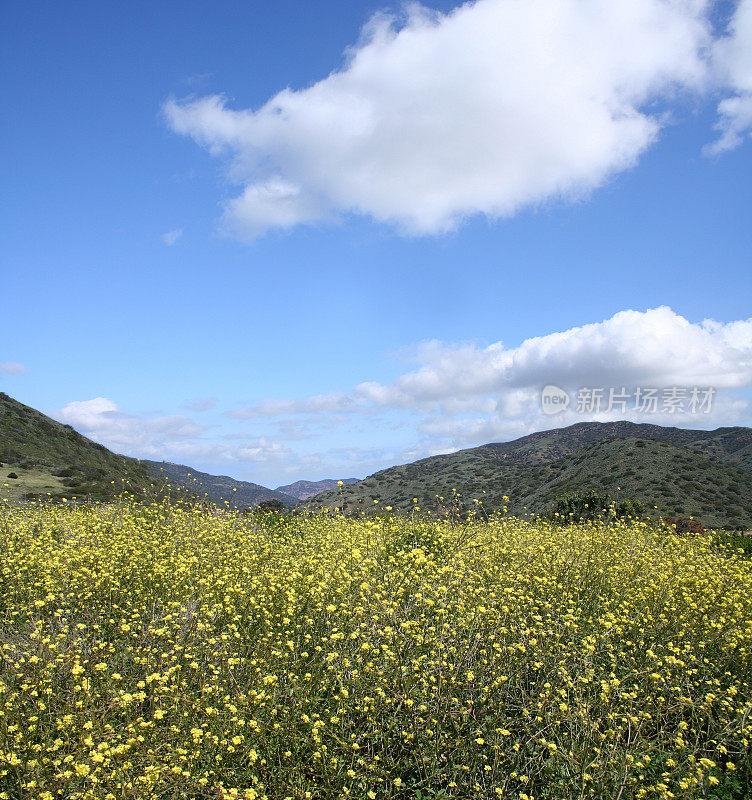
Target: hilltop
(303, 490)
(677, 472)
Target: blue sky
(425, 202)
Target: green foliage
(591, 506)
(734, 541)
(271, 507)
(218, 489)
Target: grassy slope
(699, 473)
(36, 447)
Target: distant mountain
(51, 458)
(706, 474)
(303, 490)
(218, 489)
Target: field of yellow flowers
(150, 651)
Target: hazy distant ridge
(303, 490)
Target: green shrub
(271, 507)
(589, 505)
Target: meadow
(157, 651)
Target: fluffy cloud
(733, 61)
(656, 347)
(724, 409)
(174, 438)
(653, 348)
(101, 419)
(12, 368)
(498, 105)
(462, 394)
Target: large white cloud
(657, 347)
(495, 106)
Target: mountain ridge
(675, 471)
(716, 467)
(304, 490)
(217, 489)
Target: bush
(590, 506)
(684, 525)
(271, 507)
(12, 475)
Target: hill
(729, 444)
(49, 457)
(303, 490)
(677, 472)
(218, 489)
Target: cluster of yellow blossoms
(162, 652)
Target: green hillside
(49, 457)
(673, 471)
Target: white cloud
(656, 347)
(653, 348)
(725, 409)
(464, 394)
(498, 105)
(12, 368)
(173, 438)
(732, 58)
(171, 237)
(101, 419)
